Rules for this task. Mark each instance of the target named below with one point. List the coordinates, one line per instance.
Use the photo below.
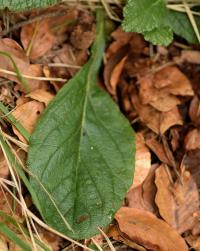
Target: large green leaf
(181, 25)
(82, 152)
(144, 15)
(20, 5)
(156, 23)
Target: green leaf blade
(159, 36)
(181, 25)
(21, 5)
(144, 15)
(82, 151)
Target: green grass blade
(19, 169)
(13, 237)
(19, 75)
(14, 122)
(9, 219)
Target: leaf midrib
(91, 72)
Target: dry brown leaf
(176, 82)
(113, 69)
(164, 196)
(192, 162)
(159, 89)
(4, 170)
(169, 119)
(176, 202)
(16, 52)
(194, 110)
(160, 99)
(162, 50)
(3, 245)
(27, 114)
(115, 75)
(142, 161)
(135, 199)
(194, 242)
(138, 44)
(147, 91)
(41, 96)
(18, 55)
(6, 205)
(6, 95)
(147, 230)
(192, 140)
(158, 122)
(42, 35)
(165, 104)
(70, 56)
(82, 39)
(83, 33)
(50, 239)
(143, 196)
(116, 235)
(190, 56)
(22, 100)
(48, 73)
(196, 228)
(121, 39)
(34, 70)
(157, 148)
(175, 138)
(147, 114)
(65, 55)
(39, 37)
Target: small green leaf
(82, 152)
(181, 25)
(144, 15)
(162, 36)
(20, 5)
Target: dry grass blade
(192, 20)
(22, 145)
(17, 183)
(112, 248)
(34, 78)
(96, 244)
(181, 8)
(109, 11)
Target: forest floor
(157, 88)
